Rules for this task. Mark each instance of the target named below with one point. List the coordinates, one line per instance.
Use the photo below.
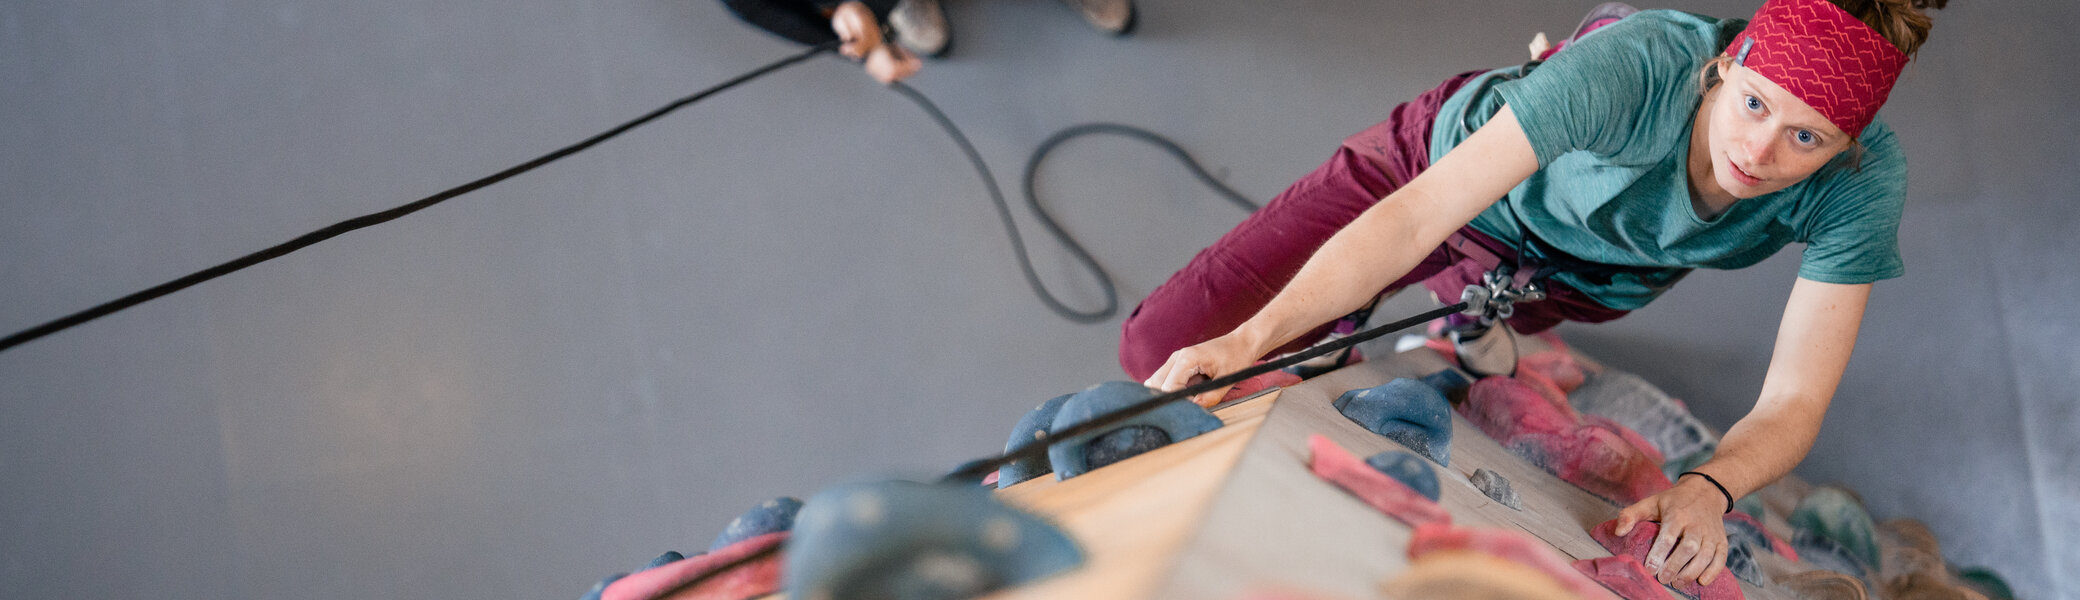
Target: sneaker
(1111, 16)
(1604, 14)
(1484, 349)
(921, 27)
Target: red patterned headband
(1825, 56)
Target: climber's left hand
(1692, 543)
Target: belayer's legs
(1116, 17)
(921, 26)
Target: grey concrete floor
(799, 282)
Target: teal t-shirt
(1610, 119)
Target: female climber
(1649, 144)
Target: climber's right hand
(1212, 358)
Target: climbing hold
(1623, 576)
(1406, 411)
(1511, 546)
(899, 539)
(669, 557)
(1447, 381)
(1987, 582)
(1123, 443)
(1832, 515)
(1177, 421)
(1537, 424)
(1745, 538)
(988, 478)
(1634, 546)
(1031, 429)
(772, 516)
(721, 574)
(1497, 488)
(1750, 504)
(1260, 383)
(1336, 465)
(1556, 368)
(1469, 575)
(1408, 469)
(1661, 420)
(1823, 585)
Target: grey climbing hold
(1409, 469)
(906, 540)
(1743, 541)
(1406, 411)
(1497, 488)
(1031, 429)
(772, 516)
(1638, 405)
(1178, 421)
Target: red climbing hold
(1507, 545)
(1261, 383)
(759, 577)
(1624, 576)
(1336, 465)
(1533, 420)
(1634, 547)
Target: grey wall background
(528, 388)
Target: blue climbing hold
(1176, 421)
(772, 516)
(900, 539)
(1406, 411)
(1408, 469)
(1032, 429)
(1447, 381)
(1123, 443)
(669, 557)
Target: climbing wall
(1275, 503)
(1238, 514)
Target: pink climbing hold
(1510, 546)
(1634, 547)
(1336, 465)
(1556, 368)
(1533, 419)
(1623, 576)
(1261, 383)
(758, 577)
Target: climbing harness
(1495, 298)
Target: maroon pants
(1231, 280)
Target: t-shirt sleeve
(1595, 94)
(1852, 235)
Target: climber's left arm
(1813, 345)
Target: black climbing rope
(305, 240)
(1076, 250)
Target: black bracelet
(1715, 483)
